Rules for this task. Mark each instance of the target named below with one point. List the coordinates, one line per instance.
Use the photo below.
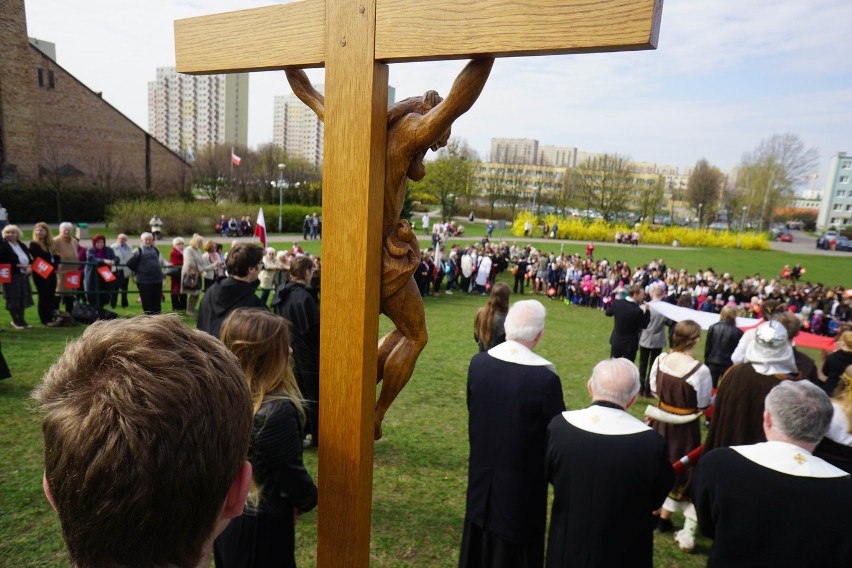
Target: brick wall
(56, 122)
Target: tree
(651, 194)
(448, 177)
(772, 171)
(704, 189)
(605, 184)
(211, 172)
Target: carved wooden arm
(303, 89)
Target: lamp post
(700, 205)
(742, 227)
(281, 197)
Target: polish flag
(234, 158)
(260, 228)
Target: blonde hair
(843, 394)
(686, 336)
(210, 245)
(47, 244)
(844, 342)
(12, 229)
(196, 241)
(261, 342)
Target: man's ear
(236, 497)
(47, 492)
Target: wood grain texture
(259, 39)
(453, 29)
(353, 170)
(293, 35)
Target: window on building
(41, 77)
(841, 193)
(847, 165)
(844, 179)
(51, 83)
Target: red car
(786, 237)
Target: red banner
(5, 273)
(72, 280)
(42, 267)
(106, 274)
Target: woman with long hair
(195, 266)
(42, 247)
(683, 386)
(488, 324)
(264, 535)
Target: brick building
(54, 129)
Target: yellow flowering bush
(577, 229)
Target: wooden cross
(355, 40)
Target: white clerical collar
(788, 458)
(603, 420)
(513, 352)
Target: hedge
(31, 204)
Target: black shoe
(664, 526)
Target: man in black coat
(609, 472)
(631, 317)
(244, 263)
(722, 339)
(512, 395)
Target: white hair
(65, 225)
(615, 380)
(145, 235)
(177, 241)
(525, 320)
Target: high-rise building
(190, 112)
(514, 150)
(296, 128)
(836, 207)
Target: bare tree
(772, 171)
(211, 172)
(704, 189)
(605, 184)
(650, 198)
(449, 177)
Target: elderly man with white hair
(512, 395)
(774, 503)
(609, 472)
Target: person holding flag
(15, 269)
(45, 262)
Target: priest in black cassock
(774, 503)
(512, 394)
(631, 317)
(609, 472)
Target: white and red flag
(234, 158)
(260, 228)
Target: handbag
(190, 281)
(173, 270)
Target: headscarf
(771, 352)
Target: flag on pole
(260, 228)
(234, 158)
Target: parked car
(827, 239)
(785, 237)
(842, 243)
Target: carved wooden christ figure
(414, 126)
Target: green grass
(420, 465)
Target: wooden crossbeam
(294, 35)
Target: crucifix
(355, 40)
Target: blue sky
(726, 75)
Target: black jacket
(223, 298)
(630, 320)
(296, 304)
(722, 339)
(275, 453)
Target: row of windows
(841, 207)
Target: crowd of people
(778, 445)
(612, 474)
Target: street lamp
(700, 205)
(281, 197)
(742, 227)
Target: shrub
(186, 218)
(574, 228)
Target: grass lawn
(421, 464)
